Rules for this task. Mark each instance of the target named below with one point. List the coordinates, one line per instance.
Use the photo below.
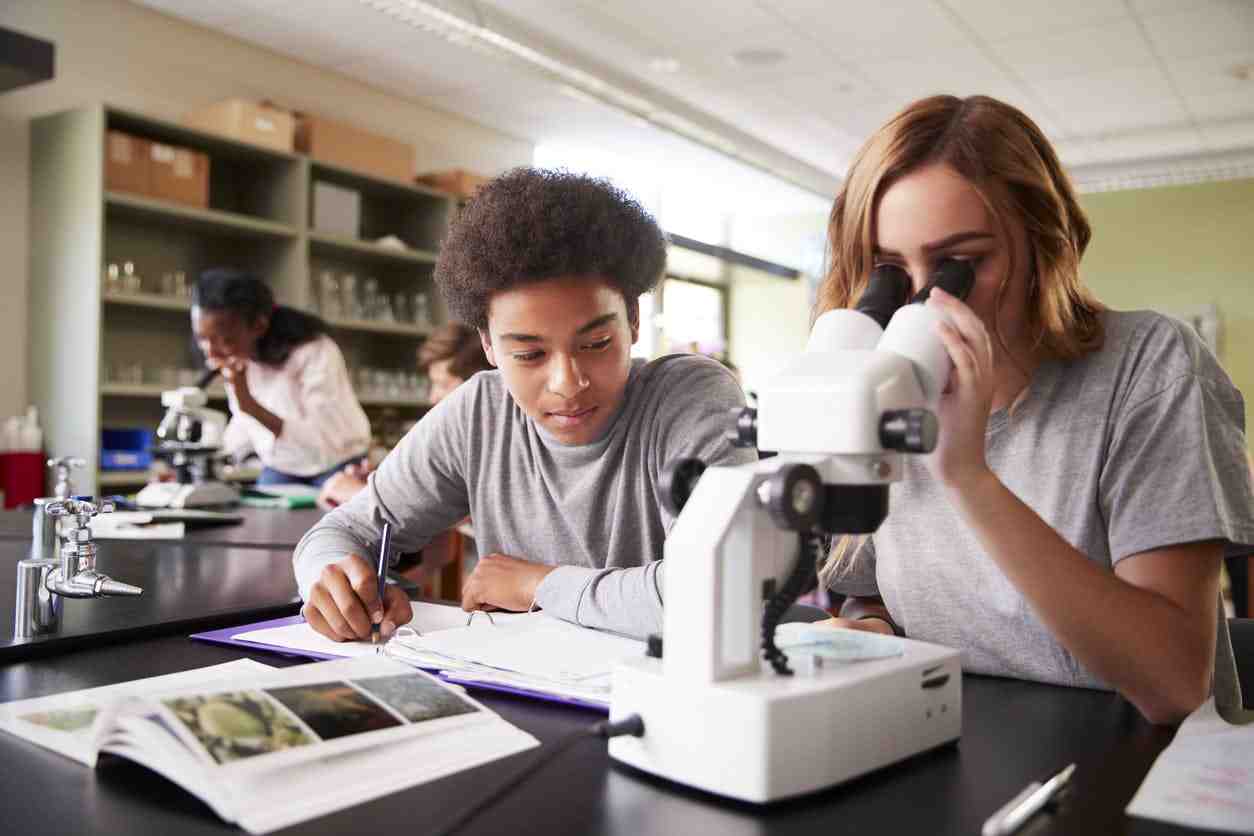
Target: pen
(385, 543)
(1011, 816)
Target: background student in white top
(290, 396)
(1090, 473)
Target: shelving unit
(259, 218)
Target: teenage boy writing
(557, 453)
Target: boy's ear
(486, 341)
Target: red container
(22, 477)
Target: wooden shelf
(208, 219)
(124, 478)
(405, 402)
(148, 300)
(120, 478)
(173, 133)
(367, 183)
(399, 329)
(151, 390)
(339, 245)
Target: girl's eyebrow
(944, 243)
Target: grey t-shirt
(594, 510)
(1137, 446)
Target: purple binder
(227, 637)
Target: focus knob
(677, 482)
(744, 429)
(909, 430)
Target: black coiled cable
(801, 577)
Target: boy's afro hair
(533, 224)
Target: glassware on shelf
(350, 302)
(329, 295)
(385, 313)
(422, 310)
(370, 299)
(174, 285)
(113, 279)
(131, 282)
(401, 309)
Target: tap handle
(62, 468)
(82, 508)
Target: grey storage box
(336, 210)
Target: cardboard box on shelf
(457, 182)
(127, 167)
(179, 174)
(350, 147)
(257, 123)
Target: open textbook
(536, 654)
(267, 748)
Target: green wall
(1178, 248)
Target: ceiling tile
(1230, 136)
(1158, 7)
(1221, 107)
(1110, 46)
(799, 58)
(1221, 26)
(995, 20)
(683, 24)
(857, 30)
(1212, 73)
(1117, 101)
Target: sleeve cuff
(562, 591)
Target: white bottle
(32, 437)
(11, 437)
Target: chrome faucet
(46, 578)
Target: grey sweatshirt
(593, 510)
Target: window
(693, 318)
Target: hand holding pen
(385, 547)
(347, 602)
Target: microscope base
(195, 495)
(764, 737)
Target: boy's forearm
(626, 601)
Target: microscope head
(188, 423)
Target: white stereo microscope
(722, 709)
(190, 436)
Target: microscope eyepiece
(886, 291)
(953, 275)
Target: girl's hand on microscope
(235, 373)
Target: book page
(1204, 778)
(536, 646)
(64, 722)
(427, 618)
(272, 750)
(260, 723)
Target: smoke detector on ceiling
(768, 57)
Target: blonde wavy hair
(1012, 167)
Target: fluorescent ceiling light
(573, 81)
